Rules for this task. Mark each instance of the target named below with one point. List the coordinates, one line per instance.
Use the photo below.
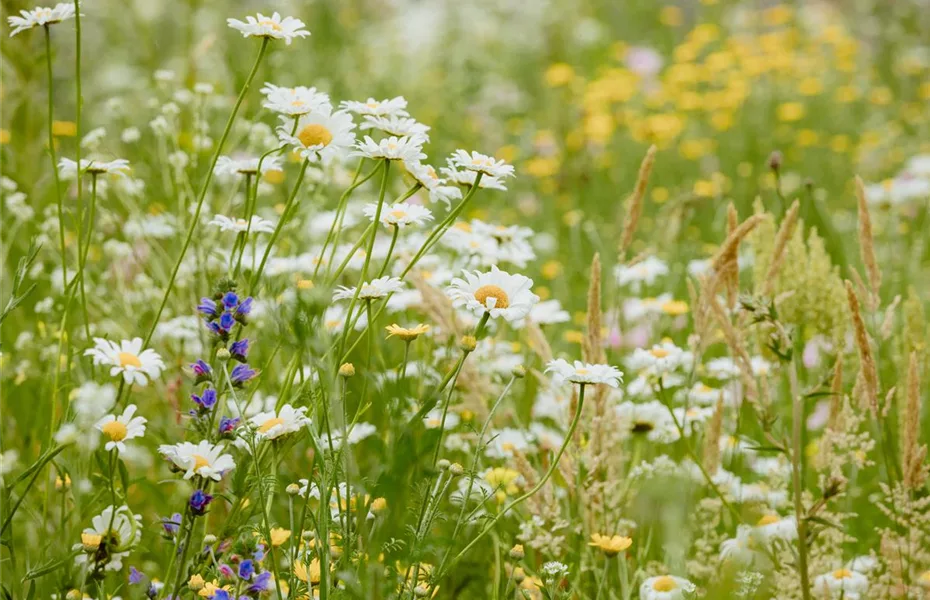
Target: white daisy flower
(68, 168)
(118, 528)
(394, 107)
(772, 526)
(666, 587)
(705, 395)
(397, 126)
(662, 358)
(742, 550)
(426, 176)
(121, 428)
(433, 419)
(273, 424)
(650, 419)
(273, 27)
(321, 135)
(758, 493)
(203, 459)
(495, 292)
(226, 166)
(481, 163)
(357, 433)
(467, 178)
(864, 564)
(258, 224)
(40, 17)
(841, 583)
(405, 148)
(646, 271)
(584, 373)
(295, 101)
(377, 288)
(549, 312)
(128, 358)
(400, 214)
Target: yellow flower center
(91, 541)
(842, 574)
(115, 430)
(200, 461)
(664, 584)
(315, 135)
(492, 291)
(768, 520)
(128, 359)
(398, 213)
(659, 352)
(270, 23)
(270, 423)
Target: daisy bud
(443, 464)
(518, 575)
(518, 371)
(209, 539)
(73, 595)
(347, 370)
(292, 489)
(517, 552)
(775, 160)
(421, 592)
(195, 583)
(456, 469)
(468, 343)
(308, 535)
(222, 355)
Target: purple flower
(171, 524)
(226, 571)
(240, 349)
(199, 502)
(259, 553)
(227, 321)
(246, 307)
(201, 369)
(207, 401)
(207, 307)
(262, 583)
(246, 569)
(230, 300)
(228, 424)
(135, 576)
(221, 594)
(241, 374)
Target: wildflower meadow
(464, 299)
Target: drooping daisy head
(117, 429)
(396, 126)
(229, 167)
(400, 214)
(494, 292)
(467, 178)
(203, 459)
(481, 163)
(40, 17)
(272, 425)
(666, 587)
(274, 27)
(321, 135)
(393, 107)
(427, 177)
(255, 225)
(295, 101)
(584, 373)
(68, 169)
(372, 290)
(127, 358)
(841, 583)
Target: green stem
(281, 223)
(195, 219)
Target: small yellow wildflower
(610, 545)
(408, 334)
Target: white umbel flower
(426, 176)
(842, 583)
(68, 168)
(295, 101)
(372, 290)
(482, 163)
(400, 214)
(495, 292)
(398, 126)
(586, 373)
(226, 166)
(120, 428)
(128, 358)
(273, 425)
(203, 459)
(259, 225)
(666, 587)
(406, 148)
(40, 17)
(393, 107)
(321, 135)
(274, 27)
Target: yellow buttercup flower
(279, 535)
(610, 545)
